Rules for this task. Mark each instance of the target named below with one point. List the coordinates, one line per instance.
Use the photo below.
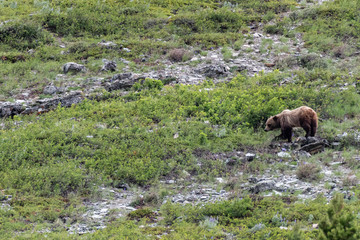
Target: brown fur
(304, 117)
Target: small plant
(148, 84)
(311, 218)
(266, 45)
(274, 29)
(141, 213)
(43, 96)
(227, 54)
(238, 44)
(179, 55)
(308, 171)
(203, 138)
(257, 227)
(350, 180)
(341, 51)
(170, 212)
(278, 220)
(234, 209)
(312, 60)
(296, 233)
(153, 84)
(269, 16)
(338, 224)
(209, 223)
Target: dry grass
(308, 171)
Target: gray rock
(51, 89)
(266, 185)
(204, 198)
(215, 71)
(230, 162)
(67, 101)
(307, 190)
(336, 145)
(122, 76)
(301, 140)
(336, 163)
(252, 180)
(74, 67)
(284, 155)
(121, 81)
(313, 148)
(250, 156)
(311, 140)
(179, 200)
(107, 44)
(124, 61)
(108, 65)
(4, 198)
(120, 84)
(10, 110)
(304, 154)
(191, 199)
(220, 180)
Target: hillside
(138, 119)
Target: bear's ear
(275, 118)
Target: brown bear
(304, 117)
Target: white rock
(220, 180)
(284, 155)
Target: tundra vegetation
(52, 163)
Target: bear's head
(272, 123)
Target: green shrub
(233, 209)
(51, 180)
(227, 53)
(23, 35)
(148, 84)
(338, 224)
(274, 29)
(141, 213)
(336, 24)
(296, 233)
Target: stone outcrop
(73, 67)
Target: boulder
(266, 185)
(215, 71)
(10, 110)
(73, 67)
(109, 65)
(107, 44)
(51, 89)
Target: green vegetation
(336, 29)
(338, 224)
(146, 28)
(131, 139)
(51, 163)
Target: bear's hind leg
(307, 129)
(313, 127)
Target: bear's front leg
(287, 134)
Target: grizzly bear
(304, 117)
